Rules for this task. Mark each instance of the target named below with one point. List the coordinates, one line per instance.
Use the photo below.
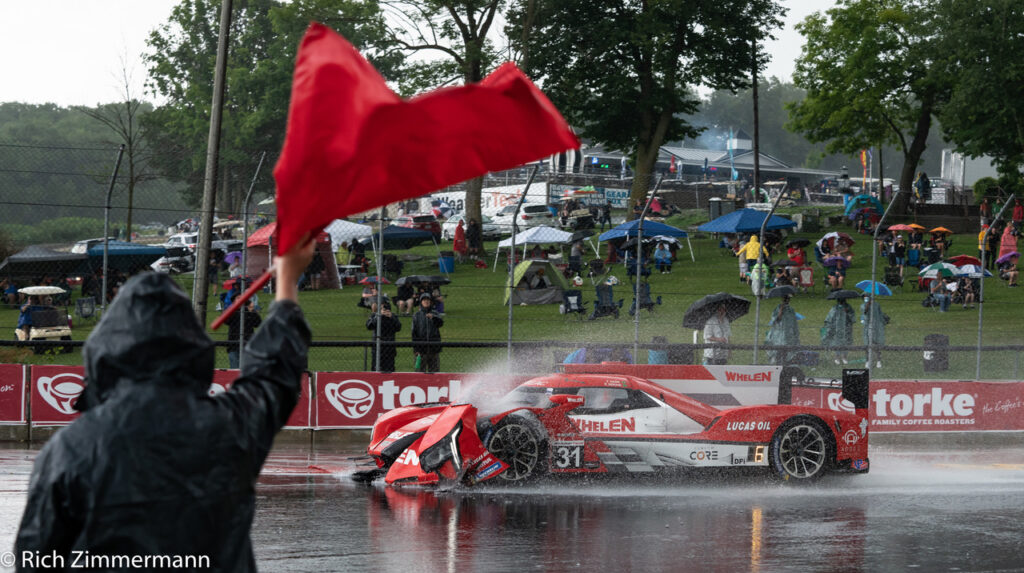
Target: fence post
(106, 228)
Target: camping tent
(35, 261)
(524, 275)
(342, 231)
(632, 228)
(863, 202)
(542, 235)
(745, 221)
(125, 257)
(261, 249)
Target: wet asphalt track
(916, 511)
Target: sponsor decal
(61, 391)
(838, 403)
(353, 398)
(615, 383)
(863, 427)
(936, 403)
(704, 455)
(216, 389)
(860, 464)
(607, 426)
(488, 470)
(731, 376)
(409, 457)
(850, 437)
(747, 426)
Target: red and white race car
(604, 423)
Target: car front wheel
(800, 450)
(518, 445)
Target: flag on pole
(672, 165)
(863, 158)
(352, 144)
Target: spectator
(389, 325)
(474, 239)
(10, 293)
(155, 465)
(985, 210)
(606, 215)
(750, 252)
(993, 248)
(782, 332)
(25, 317)
(837, 273)
(967, 291)
(213, 270)
(663, 259)
(404, 296)
(426, 327)
(898, 256)
(315, 270)
(717, 331)
(459, 242)
(1018, 214)
(837, 333)
(940, 293)
(1008, 271)
(876, 328)
(781, 277)
(1008, 241)
(234, 322)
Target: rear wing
(855, 387)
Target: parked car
(177, 260)
(531, 215)
(421, 221)
(578, 425)
(488, 228)
(189, 240)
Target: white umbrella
(41, 290)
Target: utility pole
(201, 289)
(757, 127)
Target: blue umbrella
(651, 229)
(880, 288)
(745, 221)
(862, 201)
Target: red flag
(352, 144)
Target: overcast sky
(69, 52)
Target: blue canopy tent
(125, 257)
(631, 229)
(861, 202)
(745, 221)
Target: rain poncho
(838, 329)
(155, 465)
(1008, 241)
(877, 327)
(782, 331)
(750, 249)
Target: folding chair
(805, 278)
(605, 304)
(646, 303)
(572, 303)
(85, 307)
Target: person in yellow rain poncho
(749, 252)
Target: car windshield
(535, 208)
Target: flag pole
(511, 259)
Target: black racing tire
(519, 444)
(801, 450)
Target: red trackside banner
(927, 406)
(12, 394)
(55, 389)
(355, 399)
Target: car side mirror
(567, 399)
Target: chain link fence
(54, 198)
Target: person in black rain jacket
(389, 325)
(426, 327)
(155, 466)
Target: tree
(985, 114)
(458, 30)
(868, 68)
(265, 35)
(625, 72)
(124, 118)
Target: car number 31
(567, 456)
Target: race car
(580, 424)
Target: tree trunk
(473, 187)
(912, 157)
(131, 193)
(646, 158)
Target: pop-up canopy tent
(262, 249)
(535, 282)
(745, 221)
(863, 201)
(542, 235)
(125, 257)
(35, 261)
(631, 229)
(342, 231)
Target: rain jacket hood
(149, 335)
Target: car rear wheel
(518, 445)
(800, 450)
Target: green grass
(475, 313)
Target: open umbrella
(232, 257)
(972, 271)
(938, 269)
(700, 311)
(844, 293)
(961, 260)
(798, 242)
(373, 280)
(41, 290)
(666, 239)
(580, 235)
(916, 227)
(1007, 257)
(834, 238)
(901, 227)
(866, 212)
(834, 260)
(941, 231)
(880, 288)
(786, 263)
(433, 279)
(781, 291)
